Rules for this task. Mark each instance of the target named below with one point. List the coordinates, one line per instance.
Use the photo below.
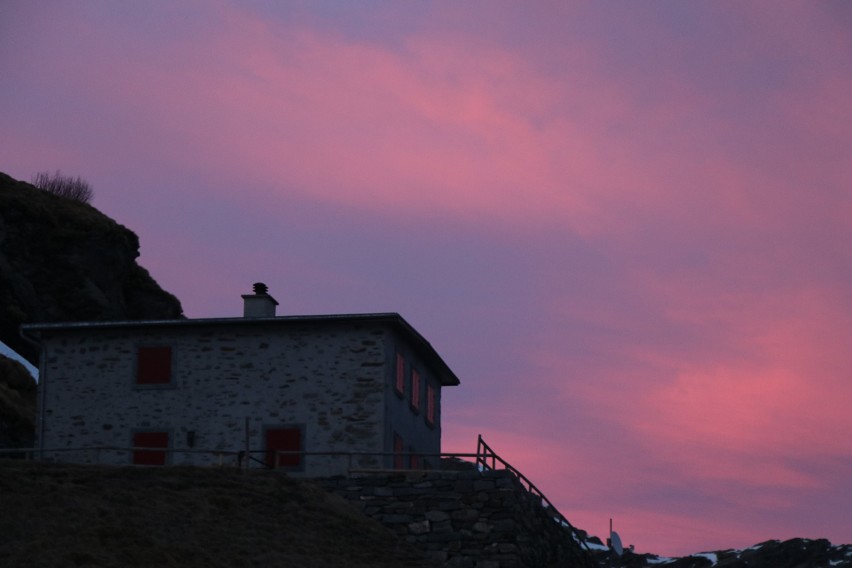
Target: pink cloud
(633, 238)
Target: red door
(150, 440)
(283, 439)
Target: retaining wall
(464, 519)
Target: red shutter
(398, 449)
(400, 374)
(415, 390)
(430, 404)
(154, 365)
(150, 440)
(283, 440)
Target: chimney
(260, 304)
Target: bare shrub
(64, 186)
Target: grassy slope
(62, 515)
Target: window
(430, 404)
(154, 366)
(398, 452)
(415, 390)
(284, 440)
(158, 440)
(399, 384)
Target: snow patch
(12, 354)
(711, 556)
(595, 546)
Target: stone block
(449, 540)
(395, 519)
(419, 527)
(465, 515)
(437, 516)
(505, 525)
(449, 495)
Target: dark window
(415, 390)
(154, 366)
(284, 440)
(399, 383)
(430, 404)
(158, 440)
(398, 452)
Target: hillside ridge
(63, 260)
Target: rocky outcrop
(63, 260)
(17, 405)
(793, 553)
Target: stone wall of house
(464, 519)
(332, 381)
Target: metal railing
(36, 454)
(484, 459)
(237, 458)
(487, 458)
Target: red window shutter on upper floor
(154, 365)
(150, 440)
(399, 383)
(415, 390)
(430, 404)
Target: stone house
(200, 391)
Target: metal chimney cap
(260, 288)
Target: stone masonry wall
(329, 381)
(464, 519)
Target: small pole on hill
(609, 538)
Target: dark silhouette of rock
(17, 405)
(63, 260)
(793, 553)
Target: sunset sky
(626, 226)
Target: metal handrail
(29, 452)
(485, 458)
(484, 452)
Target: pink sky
(625, 226)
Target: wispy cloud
(624, 226)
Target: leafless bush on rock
(64, 186)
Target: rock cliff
(793, 553)
(63, 260)
(17, 405)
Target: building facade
(315, 395)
